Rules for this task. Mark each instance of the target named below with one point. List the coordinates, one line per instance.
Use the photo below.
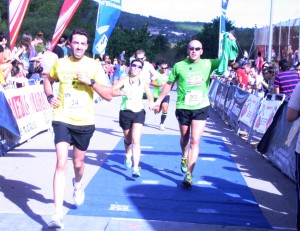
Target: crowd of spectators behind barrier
(260, 77)
(30, 61)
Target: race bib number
(193, 97)
(74, 102)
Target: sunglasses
(138, 66)
(195, 48)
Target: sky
(244, 13)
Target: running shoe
(162, 127)
(128, 161)
(136, 172)
(184, 164)
(188, 179)
(78, 195)
(56, 222)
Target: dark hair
(2, 36)
(272, 69)
(235, 66)
(283, 64)
(15, 70)
(63, 39)
(80, 32)
(298, 64)
(163, 61)
(1, 49)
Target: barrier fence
(24, 114)
(262, 119)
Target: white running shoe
(162, 127)
(128, 161)
(136, 172)
(56, 222)
(78, 195)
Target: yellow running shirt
(77, 105)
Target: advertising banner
(31, 110)
(249, 112)
(9, 131)
(282, 143)
(264, 117)
(108, 15)
(236, 106)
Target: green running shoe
(188, 179)
(184, 165)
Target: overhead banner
(67, 11)
(17, 10)
(108, 15)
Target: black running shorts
(185, 117)
(78, 135)
(127, 118)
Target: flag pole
(8, 29)
(270, 43)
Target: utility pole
(270, 43)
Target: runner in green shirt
(193, 79)
(160, 81)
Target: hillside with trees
(160, 38)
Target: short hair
(235, 66)
(272, 69)
(163, 61)
(298, 64)
(283, 64)
(2, 36)
(62, 39)
(139, 52)
(80, 32)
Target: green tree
(161, 44)
(209, 37)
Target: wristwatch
(92, 83)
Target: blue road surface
(219, 195)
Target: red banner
(66, 13)
(17, 10)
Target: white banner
(31, 110)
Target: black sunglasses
(195, 48)
(138, 66)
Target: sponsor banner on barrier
(213, 91)
(229, 101)
(282, 143)
(240, 97)
(264, 117)
(249, 112)
(30, 109)
(9, 131)
(221, 96)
